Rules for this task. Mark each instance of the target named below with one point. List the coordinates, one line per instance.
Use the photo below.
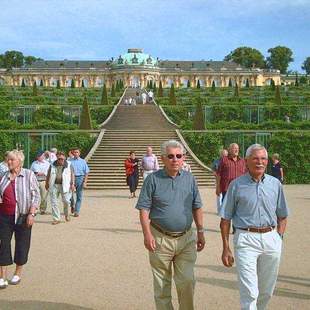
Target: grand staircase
(133, 128)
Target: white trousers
(257, 260)
(55, 191)
(146, 173)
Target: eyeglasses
(177, 156)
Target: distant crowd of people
(142, 97)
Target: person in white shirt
(4, 165)
(40, 168)
(53, 152)
(151, 95)
(149, 163)
(144, 96)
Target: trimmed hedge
(63, 141)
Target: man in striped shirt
(230, 168)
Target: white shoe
(3, 283)
(15, 280)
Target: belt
(169, 233)
(261, 230)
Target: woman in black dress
(132, 173)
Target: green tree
(113, 90)
(198, 122)
(41, 83)
(2, 65)
(272, 85)
(104, 95)
(213, 86)
(278, 99)
(188, 84)
(247, 83)
(230, 83)
(303, 80)
(160, 90)
(306, 65)
(237, 93)
(58, 84)
(247, 57)
(83, 86)
(34, 89)
(280, 57)
(72, 83)
(198, 84)
(13, 59)
(172, 98)
(117, 86)
(23, 83)
(296, 80)
(28, 60)
(154, 87)
(86, 122)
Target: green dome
(135, 57)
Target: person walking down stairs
(149, 163)
(132, 173)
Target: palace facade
(136, 68)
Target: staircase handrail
(114, 109)
(96, 144)
(188, 149)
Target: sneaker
(15, 280)
(3, 283)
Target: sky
(168, 29)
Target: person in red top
(132, 173)
(230, 168)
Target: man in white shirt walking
(40, 168)
(149, 163)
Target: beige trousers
(43, 193)
(175, 256)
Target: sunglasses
(177, 156)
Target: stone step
(133, 128)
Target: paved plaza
(99, 262)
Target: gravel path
(98, 261)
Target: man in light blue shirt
(81, 171)
(256, 205)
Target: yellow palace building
(136, 68)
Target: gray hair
(173, 144)
(19, 154)
(255, 147)
(54, 150)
